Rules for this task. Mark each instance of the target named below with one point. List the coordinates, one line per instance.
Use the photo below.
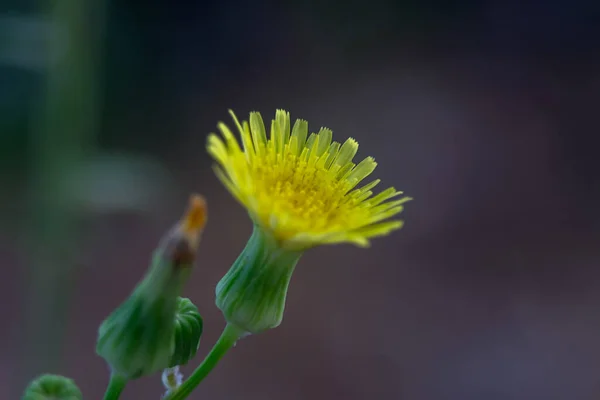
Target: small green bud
(252, 294)
(188, 330)
(52, 387)
(138, 338)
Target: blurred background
(486, 112)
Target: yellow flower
(302, 188)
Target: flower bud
(138, 337)
(52, 387)
(252, 294)
(188, 330)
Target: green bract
(252, 294)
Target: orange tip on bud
(195, 217)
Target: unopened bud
(137, 339)
(52, 387)
(188, 330)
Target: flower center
(300, 193)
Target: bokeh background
(486, 112)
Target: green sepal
(253, 292)
(52, 387)
(188, 330)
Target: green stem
(115, 387)
(63, 135)
(230, 335)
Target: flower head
(302, 188)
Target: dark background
(486, 112)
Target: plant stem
(231, 334)
(63, 134)
(115, 387)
